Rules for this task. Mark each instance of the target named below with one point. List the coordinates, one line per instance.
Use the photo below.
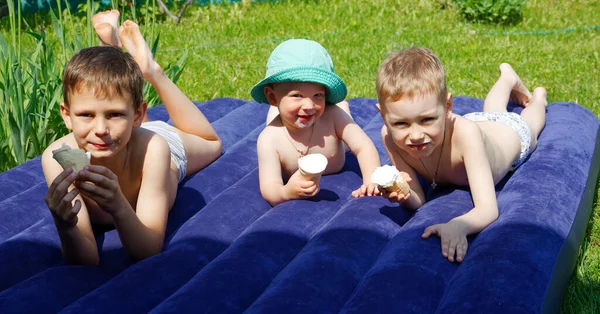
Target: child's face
(101, 126)
(417, 124)
(300, 104)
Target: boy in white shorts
(135, 164)
(422, 135)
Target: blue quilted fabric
(228, 251)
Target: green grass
(556, 46)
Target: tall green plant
(29, 93)
(31, 81)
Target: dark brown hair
(106, 71)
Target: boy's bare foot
(540, 95)
(519, 93)
(106, 24)
(134, 42)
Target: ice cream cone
(312, 166)
(388, 178)
(71, 158)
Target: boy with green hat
(301, 84)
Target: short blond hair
(411, 72)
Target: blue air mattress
(228, 251)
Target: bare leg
(508, 87)
(106, 24)
(535, 114)
(201, 142)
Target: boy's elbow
(148, 252)
(271, 199)
(219, 145)
(271, 195)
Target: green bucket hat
(301, 60)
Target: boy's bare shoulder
(272, 130)
(333, 111)
(145, 142)
(269, 136)
(464, 131)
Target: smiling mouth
(101, 146)
(417, 147)
(305, 118)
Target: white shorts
(176, 147)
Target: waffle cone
(71, 158)
(398, 186)
(310, 176)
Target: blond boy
(302, 85)
(422, 135)
(136, 164)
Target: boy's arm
(481, 182)
(269, 170)
(358, 142)
(142, 231)
(453, 234)
(70, 217)
(416, 196)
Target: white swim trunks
(176, 147)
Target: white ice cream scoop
(312, 166)
(389, 179)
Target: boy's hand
(454, 239)
(395, 196)
(369, 189)
(59, 200)
(102, 186)
(297, 187)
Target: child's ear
(381, 110)
(64, 113)
(449, 104)
(270, 94)
(139, 114)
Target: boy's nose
(416, 133)
(101, 127)
(308, 104)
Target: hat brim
(335, 87)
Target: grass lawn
(556, 46)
